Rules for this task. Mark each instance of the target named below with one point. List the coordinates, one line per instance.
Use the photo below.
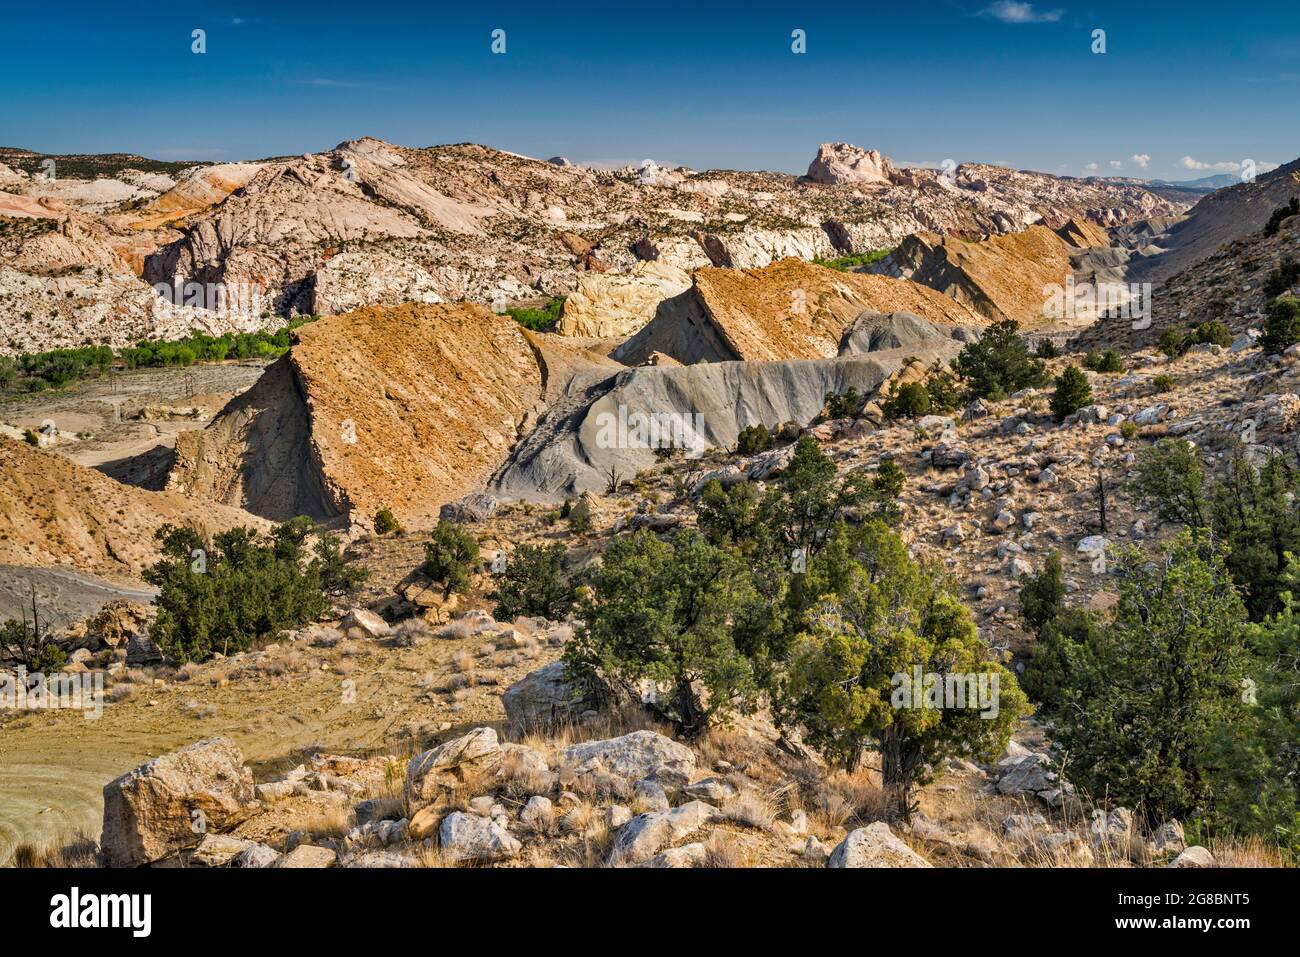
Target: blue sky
(1190, 87)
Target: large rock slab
(875, 846)
(170, 803)
(449, 765)
(469, 838)
(541, 699)
(641, 754)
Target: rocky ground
(447, 739)
(371, 223)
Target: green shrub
(27, 643)
(999, 363)
(1108, 361)
(1281, 325)
(1128, 429)
(533, 583)
(1162, 383)
(1212, 332)
(450, 557)
(665, 611)
(942, 387)
(1046, 349)
(1172, 343)
(1281, 214)
(728, 516)
(386, 522)
(847, 405)
(579, 516)
(1042, 595)
(1283, 277)
(851, 669)
(241, 588)
(544, 319)
(910, 400)
(753, 439)
(1160, 684)
(1072, 392)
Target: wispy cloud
(1012, 11)
(331, 82)
(1141, 160)
(1228, 166)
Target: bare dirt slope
(58, 513)
(1219, 218)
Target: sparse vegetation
(1072, 393)
(1280, 215)
(853, 261)
(59, 367)
(241, 587)
(543, 319)
(386, 522)
(1108, 361)
(910, 400)
(1281, 325)
(753, 439)
(534, 583)
(450, 557)
(999, 364)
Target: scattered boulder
(875, 846)
(641, 754)
(476, 507)
(542, 699)
(169, 803)
(448, 765)
(688, 855)
(647, 834)
(306, 856)
(366, 622)
(471, 838)
(1194, 856)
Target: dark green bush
(450, 557)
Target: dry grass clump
(77, 851)
(1246, 852)
(752, 809)
(323, 821)
(722, 849)
(412, 632)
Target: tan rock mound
(1002, 277)
(405, 408)
(789, 310)
(58, 513)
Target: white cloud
(1141, 159)
(1012, 11)
(1116, 164)
(1228, 166)
(1090, 168)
